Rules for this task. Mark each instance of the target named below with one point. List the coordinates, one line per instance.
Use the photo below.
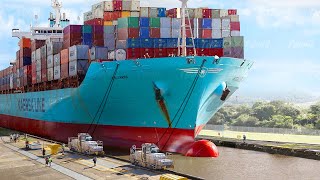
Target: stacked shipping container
(119, 30)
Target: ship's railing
(301, 131)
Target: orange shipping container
(125, 14)
(25, 43)
(64, 56)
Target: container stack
(53, 50)
(78, 61)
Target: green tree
(246, 120)
(280, 121)
(264, 112)
(317, 125)
(217, 119)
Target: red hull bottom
(172, 140)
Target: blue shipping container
(144, 32)
(216, 43)
(147, 43)
(133, 43)
(172, 42)
(26, 61)
(206, 23)
(161, 12)
(144, 22)
(160, 42)
(202, 43)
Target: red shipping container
(27, 70)
(145, 51)
(203, 52)
(97, 36)
(27, 80)
(36, 44)
(117, 5)
(160, 52)
(111, 16)
(134, 32)
(207, 13)
(133, 53)
(64, 56)
(14, 69)
(235, 26)
(44, 77)
(34, 77)
(172, 51)
(18, 54)
(25, 43)
(72, 36)
(190, 51)
(94, 22)
(216, 51)
(25, 52)
(98, 42)
(206, 33)
(44, 63)
(189, 22)
(34, 68)
(64, 70)
(71, 42)
(188, 33)
(154, 32)
(172, 13)
(232, 12)
(72, 29)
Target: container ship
(128, 75)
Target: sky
(282, 37)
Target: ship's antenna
(56, 5)
(183, 26)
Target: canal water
(244, 164)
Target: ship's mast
(183, 26)
(56, 5)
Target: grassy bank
(290, 138)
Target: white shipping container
(38, 65)
(144, 12)
(115, 22)
(78, 52)
(225, 23)
(99, 53)
(11, 81)
(216, 23)
(56, 60)
(176, 23)
(43, 51)
(153, 12)
(50, 74)
(135, 6)
(165, 22)
(112, 55)
(56, 72)
(18, 82)
(235, 33)
(234, 18)
(38, 54)
(121, 54)
(227, 42)
(135, 14)
(98, 10)
(165, 32)
(108, 6)
(126, 5)
(54, 48)
(38, 76)
(33, 56)
(176, 33)
(50, 61)
(216, 33)
(226, 33)
(78, 67)
(223, 12)
(198, 13)
(88, 16)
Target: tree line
(274, 114)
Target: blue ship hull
(161, 100)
